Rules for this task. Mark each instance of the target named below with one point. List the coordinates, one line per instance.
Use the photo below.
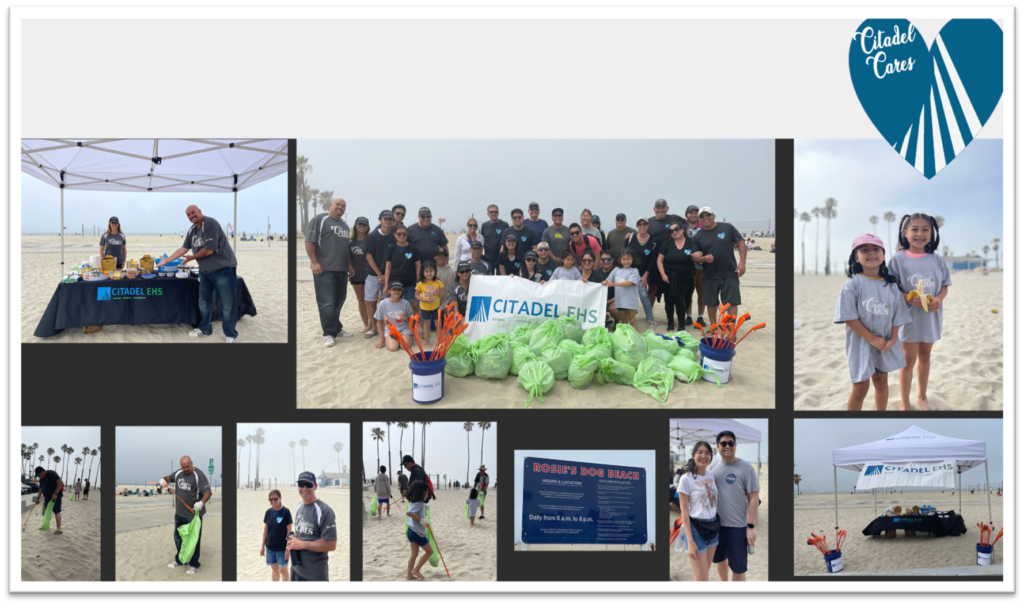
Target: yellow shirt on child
(430, 289)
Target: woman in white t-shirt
(698, 497)
(465, 242)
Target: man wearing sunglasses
(546, 262)
(316, 533)
(537, 224)
(526, 238)
(557, 235)
(714, 245)
(579, 242)
(426, 236)
(738, 491)
(492, 231)
(693, 227)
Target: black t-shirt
(403, 479)
(646, 255)
(526, 239)
(357, 257)
(427, 240)
(493, 238)
(511, 266)
(597, 276)
(403, 265)
(658, 230)
(677, 260)
(537, 276)
(546, 269)
(277, 527)
(379, 246)
(718, 242)
(48, 484)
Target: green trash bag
(610, 370)
(548, 334)
(687, 353)
(522, 333)
(492, 356)
(654, 342)
(558, 359)
(520, 355)
(627, 345)
(654, 378)
(661, 355)
(688, 370)
(48, 514)
(690, 342)
(373, 506)
(189, 538)
(537, 378)
(581, 371)
(571, 328)
(459, 359)
(573, 347)
(598, 342)
(436, 557)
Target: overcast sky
(276, 460)
(47, 437)
(744, 451)
(149, 453)
(868, 178)
(446, 449)
(457, 178)
(636, 458)
(150, 213)
(815, 440)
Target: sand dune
(251, 507)
(378, 379)
(816, 513)
(73, 556)
(469, 552)
(264, 269)
(966, 367)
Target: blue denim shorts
(702, 544)
(276, 557)
(415, 538)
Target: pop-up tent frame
(912, 445)
(692, 430)
(153, 165)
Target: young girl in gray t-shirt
(923, 278)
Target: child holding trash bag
(417, 495)
(698, 500)
(873, 309)
(472, 504)
(923, 278)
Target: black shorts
(726, 290)
(415, 538)
(56, 505)
(358, 283)
(428, 315)
(732, 546)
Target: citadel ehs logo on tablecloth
(111, 293)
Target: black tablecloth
(163, 300)
(941, 524)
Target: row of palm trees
(28, 458)
(308, 198)
(259, 437)
(378, 435)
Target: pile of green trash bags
(459, 360)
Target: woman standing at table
(112, 243)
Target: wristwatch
(750, 526)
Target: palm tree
(77, 462)
(806, 218)
(423, 442)
(401, 435)
(874, 222)
(259, 438)
(483, 426)
(985, 249)
(378, 436)
(67, 459)
(303, 443)
(32, 453)
(796, 479)
(413, 450)
(816, 211)
(325, 198)
(63, 448)
(302, 168)
(93, 453)
(830, 213)
(56, 460)
(945, 251)
(995, 248)
(49, 452)
(939, 221)
(292, 445)
(337, 449)
(468, 426)
(889, 218)
(248, 471)
(238, 464)
(99, 465)
(85, 453)
(390, 468)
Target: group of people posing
(399, 271)
(899, 302)
(304, 540)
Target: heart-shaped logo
(928, 104)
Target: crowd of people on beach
(398, 271)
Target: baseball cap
(543, 246)
(385, 214)
(531, 254)
(406, 459)
(620, 216)
(113, 219)
(867, 238)
(362, 220)
(596, 219)
(509, 236)
(690, 209)
(425, 210)
(396, 284)
(307, 477)
(441, 250)
(642, 219)
(707, 209)
(464, 266)
(660, 202)
(477, 244)
(534, 206)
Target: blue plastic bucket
(427, 379)
(717, 360)
(834, 561)
(984, 554)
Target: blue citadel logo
(102, 293)
(111, 293)
(874, 469)
(480, 308)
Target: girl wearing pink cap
(873, 309)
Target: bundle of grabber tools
(449, 326)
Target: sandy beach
(816, 513)
(469, 552)
(145, 540)
(264, 269)
(73, 556)
(966, 366)
(382, 380)
(252, 505)
(757, 564)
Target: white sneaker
(191, 571)
(231, 341)
(173, 565)
(328, 341)
(196, 333)
(344, 334)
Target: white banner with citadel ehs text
(909, 474)
(501, 304)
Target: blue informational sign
(583, 503)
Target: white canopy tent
(153, 165)
(912, 445)
(683, 431)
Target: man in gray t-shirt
(327, 238)
(738, 499)
(192, 491)
(557, 235)
(316, 533)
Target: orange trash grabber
(439, 551)
(736, 327)
(41, 497)
(182, 501)
(997, 537)
(755, 328)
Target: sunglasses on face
(556, 216)
(574, 233)
(675, 229)
(588, 260)
(304, 484)
(606, 260)
(726, 443)
(472, 225)
(492, 212)
(424, 216)
(401, 235)
(516, 218)
(531, 260)
(275, 499)
(465, 271)
(704, 215)
(399, 214)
